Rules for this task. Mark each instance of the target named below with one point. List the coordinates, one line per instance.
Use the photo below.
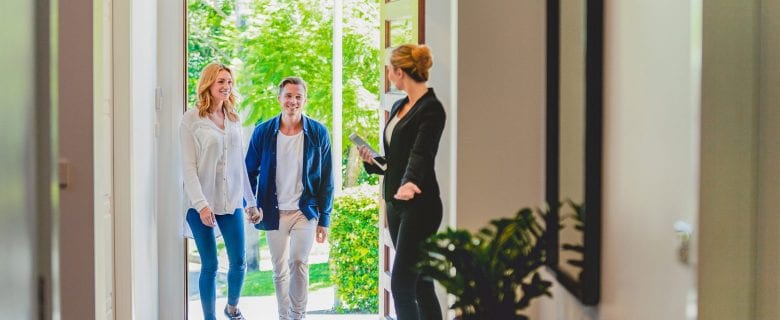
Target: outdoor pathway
(264, 308)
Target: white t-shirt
(289, 170)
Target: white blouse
(390, 127)
(214, 173)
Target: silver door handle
(684, 231)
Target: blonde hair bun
(422, 59)
(413, 59)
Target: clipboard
(379, 160)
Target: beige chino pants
(290, 247)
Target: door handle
(684, 232)
(63, 173)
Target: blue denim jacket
(317, 198)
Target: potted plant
(493, 273)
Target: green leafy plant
(211, 33)
(493, 273)
(354, 253)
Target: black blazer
(412, 152)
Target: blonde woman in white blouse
(216, 185)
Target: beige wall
(741, 73)
(76, 251)
(728, 160)
(500, 126)
(768, 221)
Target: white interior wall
(441, 37)
(144, 158)
(170, 74)
(102, 114)
(135, 159)
(651, 132)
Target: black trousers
(410, 223)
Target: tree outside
(267, 40)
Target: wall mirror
(574, 144)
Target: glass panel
(21, 230)
(398, 32)
(572, 136)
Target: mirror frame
(588, 290)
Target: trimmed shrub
(354, 252)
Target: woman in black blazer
(411, 192)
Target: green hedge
(354, 253)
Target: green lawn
(261, 283)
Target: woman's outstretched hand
(407, 191)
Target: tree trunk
(354, 165)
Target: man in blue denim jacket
(291, 155)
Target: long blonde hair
(207, 77)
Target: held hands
(365, 155)
(407, 191)
(322, 234)
(254, 215)
(207, 217)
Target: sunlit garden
(264, 41)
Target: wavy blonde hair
(207, 77)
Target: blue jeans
(232, 227)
